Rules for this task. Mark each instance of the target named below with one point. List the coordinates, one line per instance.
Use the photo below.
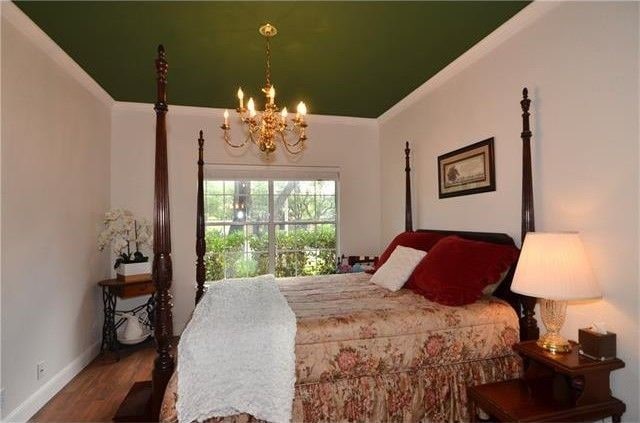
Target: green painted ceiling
(342, 58)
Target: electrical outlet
(41, 370)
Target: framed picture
(468, 170)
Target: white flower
(123, 231)
(120, 246)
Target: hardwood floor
(96, 392)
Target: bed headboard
(493, 237)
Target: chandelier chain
(268, 70)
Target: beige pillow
(490, 289)
(393, 274)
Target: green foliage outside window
(305, 252)
(300, 252)
(239, 214)
(221, 248)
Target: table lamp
(554, 267)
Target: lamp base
(553, 315)
(554, 343)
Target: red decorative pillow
(417, 240)
(456, 270)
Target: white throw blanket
(237, 354)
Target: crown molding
(13, 15)
(216, 113)
(504, 32)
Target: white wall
(351, 144)
(55, 187)
(580, 62)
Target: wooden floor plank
(96, 392)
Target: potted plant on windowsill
(123, 231)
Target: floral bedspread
(355, 335)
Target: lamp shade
(554, 266)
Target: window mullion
(272, 230)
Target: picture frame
(467, 170)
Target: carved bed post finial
(528, 325)
(408, 215)
(200, 238)
(162, 266)
(528, 219)
(162, 68)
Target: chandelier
(271, 125)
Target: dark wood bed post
(408, 212)
(143, 402)
(162, 270)
(200, 240)
(528, 218)
(528, 324)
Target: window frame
(257, 173)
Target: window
(285, 227)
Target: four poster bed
(362, 352)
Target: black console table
(112, 289)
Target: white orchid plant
(122, 231)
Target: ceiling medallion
(271, 125)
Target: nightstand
(555, 387)
(112, 289)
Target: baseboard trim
(38, 399)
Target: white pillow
(397, 269)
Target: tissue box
(596, 345)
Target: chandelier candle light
(272, 124)
(554, 267)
